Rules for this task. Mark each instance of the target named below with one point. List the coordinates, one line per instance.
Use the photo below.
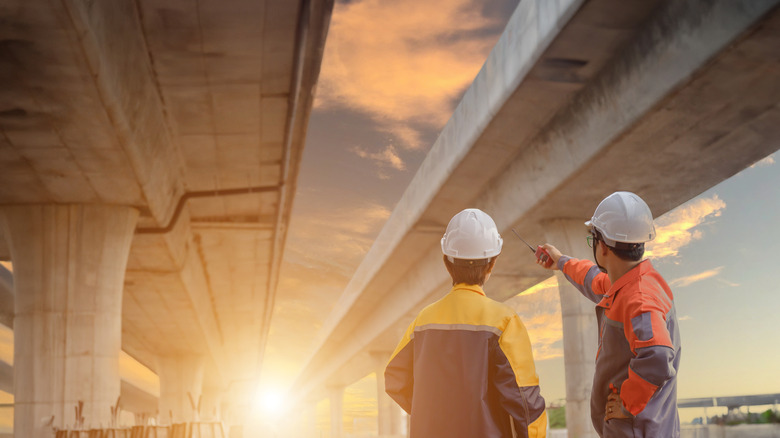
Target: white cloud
(676, 228)
(685, 318)
(727, 283)
(768, 161)
(690, 279)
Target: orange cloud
(403, 61)
(690, 279)
(539, 308)
(6, 415)
(388, 157)
(6, 345)
(675, 229)
(550, 283)
(546, 333)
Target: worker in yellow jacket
(464, 367)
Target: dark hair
(630, 252)
(469, 271)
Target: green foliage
(557, 417)
(768, 416)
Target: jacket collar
(629, 277)
(468, 287)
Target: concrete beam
(5, 252)
(137, 400)
(312, 30)
(112, 41)
(574, 121)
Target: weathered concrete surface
(67, 329)
(674, 98)
(195, 114)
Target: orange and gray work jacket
(464, 368)
(639, 348)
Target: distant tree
(769, 416)
(557, 417)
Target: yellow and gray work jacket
(464, 368)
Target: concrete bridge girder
(678, 98)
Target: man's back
(465, 369)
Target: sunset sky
(392, 74)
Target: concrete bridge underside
(149, 152)
(578, 99)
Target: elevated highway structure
(149, 151)
(578, 99)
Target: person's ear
(492, 264)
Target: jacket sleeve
(585, 276)
(399, 373)
(654, 354)
(514, 377)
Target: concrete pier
(336, 396)
(181, 385)
(69, 267)
(579, 328)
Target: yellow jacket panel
(465, 368)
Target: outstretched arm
(582, 274)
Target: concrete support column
(336, 396)
(389, 413)
(69, 269)
(211, 404)
(580, 332)
(181, 385)
(307, 426)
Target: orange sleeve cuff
(577, 269)
(636, 392)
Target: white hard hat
(471, 235)
(623, 217)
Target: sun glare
(270, 401)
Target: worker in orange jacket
(464, 368)
(635, 383)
